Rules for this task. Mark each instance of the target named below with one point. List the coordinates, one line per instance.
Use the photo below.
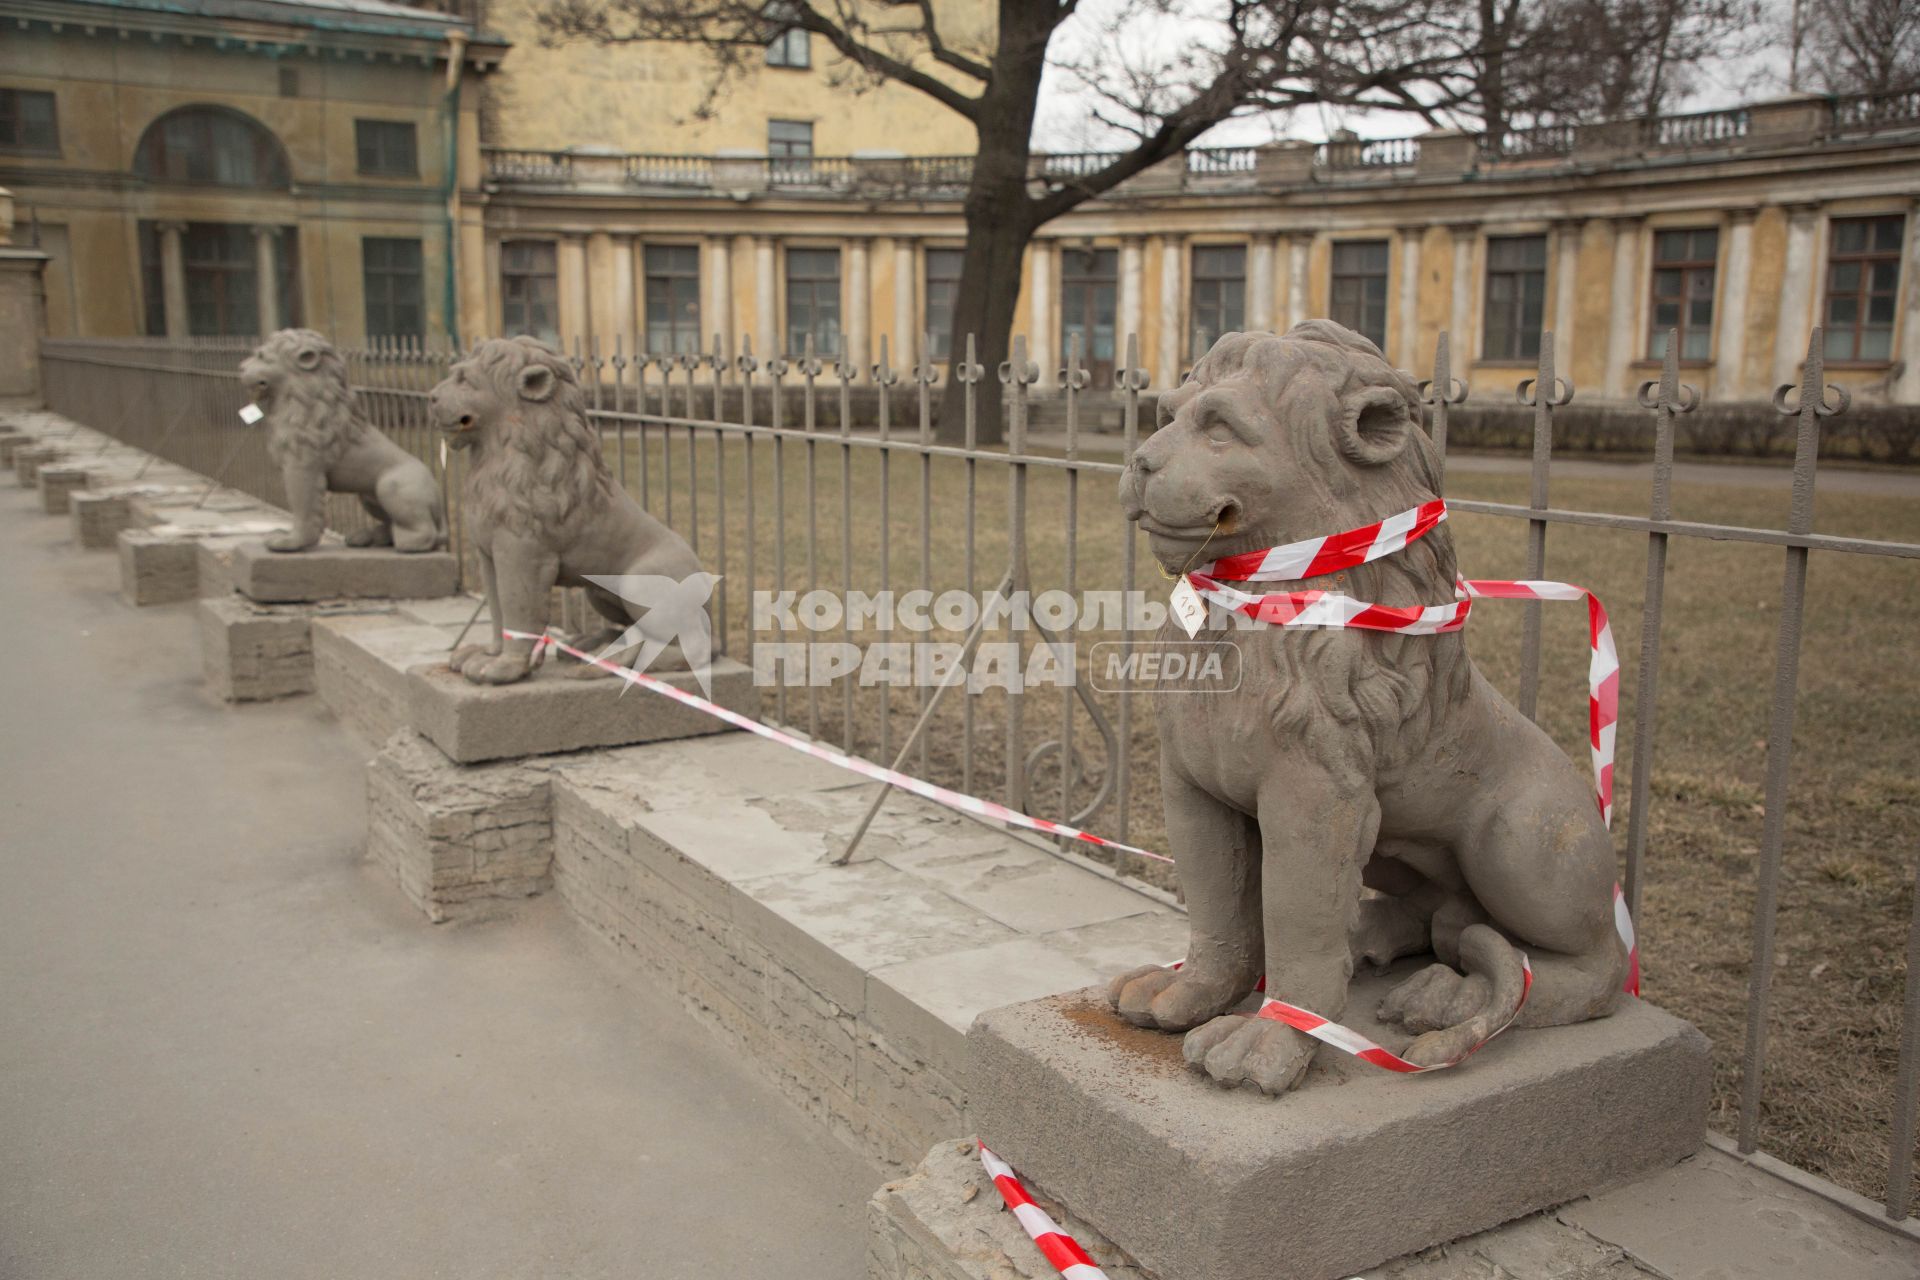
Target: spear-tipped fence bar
(649, 407)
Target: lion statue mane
(321, 444)
(543, 508)
(1362, 796)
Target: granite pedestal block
(332, 572)
(98, 518)
(552, 711)
(156, 568)
(28, 461)
(254, 653)
(1355, 1166)
(11, 444)
(57, 484)
(457, 837)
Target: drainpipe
(456, 60)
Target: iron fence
(733, 451)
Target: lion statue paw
(1174, 999)
(1453, 1011)
(1236, 1050)
(287, 540)
(499, 668)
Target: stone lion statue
(318, 439)
(1347, 759)
(543, 509)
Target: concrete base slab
(1357, 1165)
(552, 712)
(57, 484)
(333, 572)
(457, 837)
(11, 444)
(360, 665)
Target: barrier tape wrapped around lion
(1303, 609)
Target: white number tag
(1189, 610)
(251, 414)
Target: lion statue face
(507, 383)
(285, 356)
(1276, 438)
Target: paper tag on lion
(443, 455)
(1189, 610)
(251, 414)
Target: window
(386, 147)
(396, 293)
(1089, 290)
(1516, 297)
(789, 47)
(1219, 296)
(789, 138)
(220, 270)
(530, 290)
(813, 301)
(1683, 265)
(27, 121)
(211, 144)
(673, 299)
(943, 290)
(1359, 290)
(1863, 281)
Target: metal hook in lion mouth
(1194, 558)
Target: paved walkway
(227, 1048)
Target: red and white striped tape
(1336, 551)
(1061, 1249)
(1347, 1040)
(866, 768)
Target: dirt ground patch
(1853, 823)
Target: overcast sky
(1066, 124)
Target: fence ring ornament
(777, 367)
(1028, 373)
(1563, 392)
(1649, 397)
(1841, 397)
(1130, 379)
(1075, 378)
(885, 375)
(746, 363)
(1449, 396)
(811, 366)
(926, 372)
(844, 369)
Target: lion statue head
(298, 378)
(517, 403)
(1275, 438)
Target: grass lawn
(1854, 820)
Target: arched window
(211, 144)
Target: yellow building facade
(375, 170)
(239, 164)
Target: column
(173, 278)
(1406, 339)
(860, 294)
(1730, 321)
(1127, 321)
(718, 320)
(266, 278)
(1566, 272)
(1300, 248)
(1173, 336)
(1460, 310)
(1796, 294)
(1043, 257)
(572, 286)
(766, 325)
(1907, 389)
(1623, 307)
(621, 288)
(1260, 281)
(602, 320)
(906, 316)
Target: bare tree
(1228, 57)
(1860, 46)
